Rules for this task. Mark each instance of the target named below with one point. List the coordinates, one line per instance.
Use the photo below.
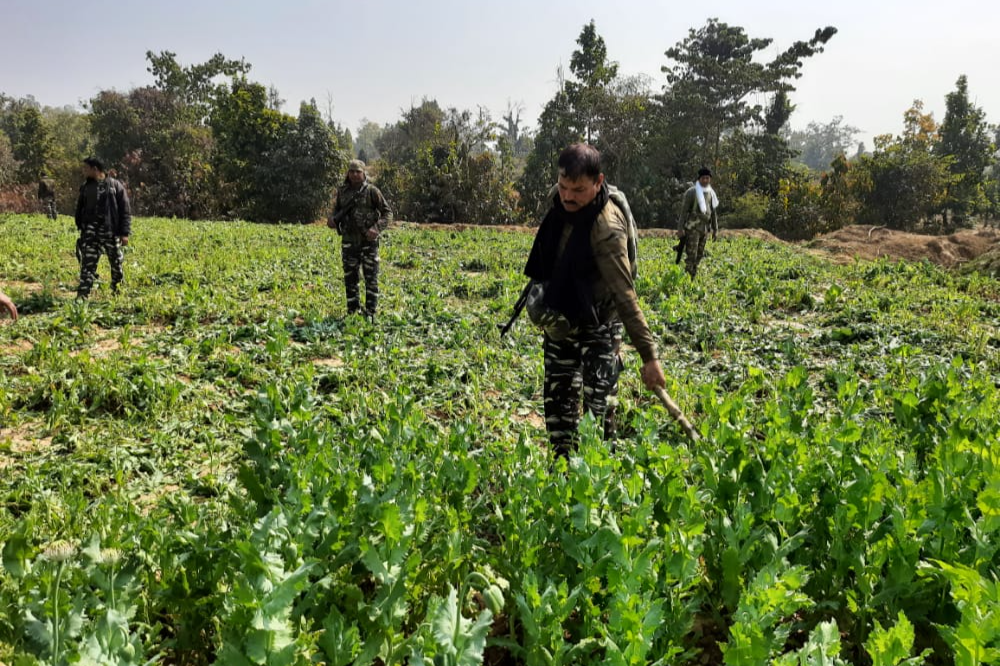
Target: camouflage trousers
(694, 249)
(89, 249)
(360, 256)
(49, 206)
(589, 360)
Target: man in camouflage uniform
(698, 217)
(584, 295)
(104, 219)
(360, 215)
(47, 196)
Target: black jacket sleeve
(79, 209)
(124, 211)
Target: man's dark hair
(704, 172)
(580, 159)
(94, 163)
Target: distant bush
(796, 213)
(747, 211)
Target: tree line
(205, 141)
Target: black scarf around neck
(568, 278)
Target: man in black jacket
(104, 219)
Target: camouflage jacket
(691, 216)
(46, 189)
(614, 286)
(113, 211)
(367, 209)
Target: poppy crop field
(218, 466)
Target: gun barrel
(518, 307)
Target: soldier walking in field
(699, 216)
(47, 196)
(360, 215)
(104, 218)
(583, 295)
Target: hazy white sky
(378, 57)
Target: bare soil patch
(870, 243)
(24, 287)
(332, 362)
(22, 440)
(530, 417)
(16, 346)
(147, 501)
(100, 348)
(105, 347)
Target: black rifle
(679, 250)
(518, 306)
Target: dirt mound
(870, 243)
(987, 264)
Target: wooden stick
(676, 412)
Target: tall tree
(294, 179)
(33, 147)
(401, 142)
(150, 136)
(30, 139)
(594, 73)
(625, 130)
(717, 80)
(556, 130)
(367, 139)
(194, 85)
(819, 143)
(840, 205)
(71, 141)
(966, 144)
(512, 129)
(584, 108)
(902, 183)
(246, 130)
(759, 160)
(157, 137)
